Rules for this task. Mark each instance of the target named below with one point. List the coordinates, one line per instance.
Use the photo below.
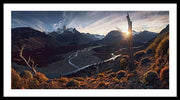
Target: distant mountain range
(112, 37)
(31, 39)
(144, 36)
(73, 30)
(70, 36)
(115, 36)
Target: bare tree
(130, 43)
(30, 63)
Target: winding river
(94, 64)
(81, 68)
(70, 58)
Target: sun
(126, 32)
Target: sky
(94, 22)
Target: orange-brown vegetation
(120, 74)
(63, 80)
(27, 75)
(15, 79)
(151, 79)
(139, 54)
(41, 77)
(123, 63)
(73, 84)
(164, 76)
(162, 47)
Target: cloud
(84, 18)
(104, 25)
(55, 26)
(142, 20)
(30, 22)
(153, 23)
(18, 22)
(64, 19)
(40, 26)
(97, 22)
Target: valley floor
(72, 61)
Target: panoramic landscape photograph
(89, 49)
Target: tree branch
(32, 68)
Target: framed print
(90, 50)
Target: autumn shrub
(144, 60)
(157, 69)
(120, 74)
(49, 85)
(156, 41)
(153, 66)
(123, 63)
(15, 79)
(129, 76)
(154, 44)
(73, 83)
(151, 79)
(166, 56)
(116, 80)
(149, 51)
(101, 84)
(79, 78)
(53, 85)
(164, 74)
(33, 84)
(43, 85)
(41, 77)
(160, 61)
(125, 56)
(92, 80)
(63, 79)
(24, 83)
(139, 54)
(162, 48)
(84, 85)
(100, 75)
(111, 75)
(27, 75)
(159, 64)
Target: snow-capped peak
(71, 30)
(59, 30)
(99, 36)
